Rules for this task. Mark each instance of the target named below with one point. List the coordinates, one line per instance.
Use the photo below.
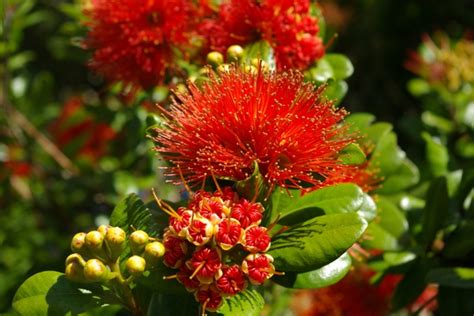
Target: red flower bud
(209, 298)
(228, 233)
(179, 224)
(205, 263)
(184, 277)
(232, 280)
(256, 239)
(258, 267)
(247, 213)
(176, 250)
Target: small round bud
(223, 68)
(138, 239)
(215, 59)
(78, 242)
(115, 240)
(135, 265)
(251, 69)
(94, 270)
(234, 53)
(75, 272)
(103, 229)
(94, 240)
(153, 251)
(75, 258)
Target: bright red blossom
(242, 118)
(209, 297)
(247, 213)
(258, 267)
(207, 262)
(232, 280)
(132, 39)
(286, 25)
(256, 239)
(228, 233)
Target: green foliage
(316, 242)
(248, 302)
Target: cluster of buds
(234, 54)
(218, 246)
(96, 255)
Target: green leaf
(432, 120)
(336, 90)
(341, 66)
(342, 198)
(248, 302)
(405, 176)
(453, 277)
(360, 120)
(377, 131)
(391, 218)
(155, 282)
(435, 211)
(322, 277)
(436, 154)
(50, 293)
(411, 286)
(131, 211)
(379, 238)
(322, 72)
(317, 242)
(387, 156)
(253, 186)
(352, 154)
(261, 50)
(460, 242)
(418, 87)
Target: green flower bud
(78, 243)
(75, 258)
(234, 53)
(94, 240)
(135, 265)
(115, 240)
(95, 270)
(153, 251)
(75, 272)
(138, 239)
(215, 59)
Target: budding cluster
(235, 54)
(96, 254)
(218, 245)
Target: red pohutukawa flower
(133, 40)
(242, 118)
(218, 259)
(286, 25)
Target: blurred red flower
(133, 40)
(286, 25)
(240, 119)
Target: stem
(123, 286)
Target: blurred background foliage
(53, 105)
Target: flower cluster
(133, 40)
(287, 26)
(218, 245)
(243, 118)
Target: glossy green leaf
(436, 155)
(336, 90)
(341, 66)
(322, 72)
(391, 218)
(352, 154)
(435, 211)
(418, 87)
(453, 277)
(377, 131)
(50, 293)
(465, 147)
(317, 242)
(432, 120)
(342, 198)
(248, 302)
(260, 50)
(405, 176)
(253, 186)
(322, 277)
(411, 286)
(131, 211)
(379, 238)
(387, 156)
(360, 120)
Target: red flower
(179, 224)
(228, 233)
(247, 213)
(209, 298)
(132, 39)
(205, 263)
(256, 239)
(199, 231)
(176, 249)
(242, 118)
(184, 277)
(258, 267)
(286, 25)
(232, 280)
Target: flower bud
(135, 265)
(75, 258)
(75, 272)
(138, 239)
(94, 240)
(215, 59)
(234, 53)
(115, 240)
(95, 270)
(78, 243)
(153, 251)
(103, 229)
(223, 68)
